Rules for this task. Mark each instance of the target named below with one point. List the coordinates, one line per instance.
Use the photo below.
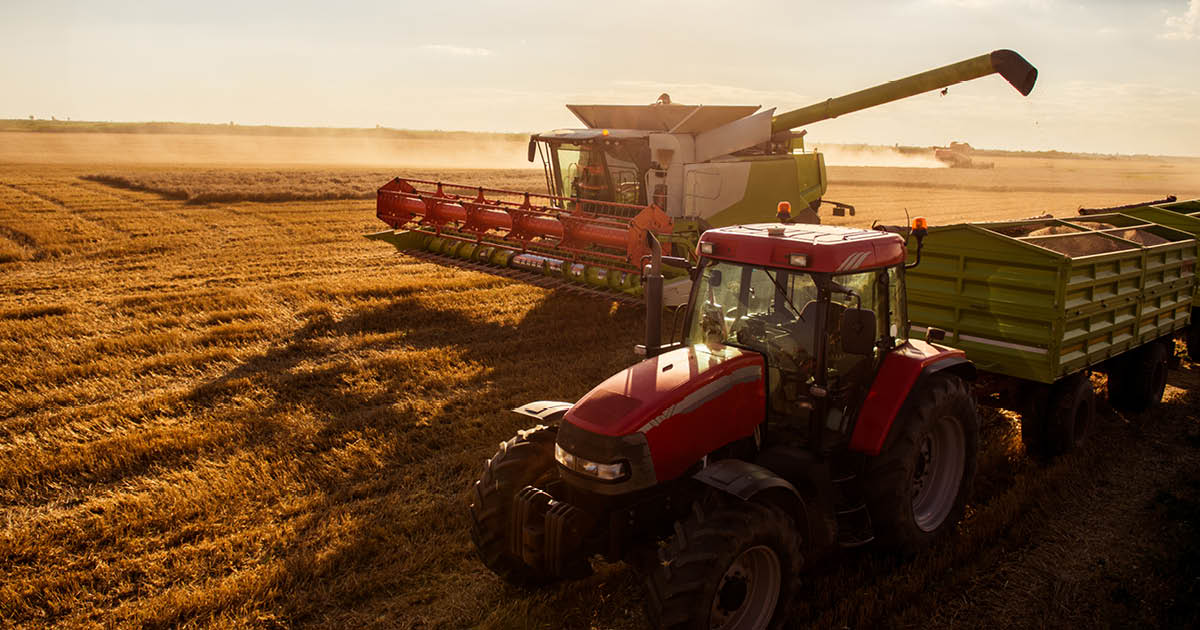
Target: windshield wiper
(786, 297)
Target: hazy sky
(1115, 76)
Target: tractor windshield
(773, 311)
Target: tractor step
(854, 519)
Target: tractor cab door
(854, 354)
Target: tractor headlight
(607, 472)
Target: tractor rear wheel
(731, 565)
(917, 489)
(526, 459)
(1139, 379)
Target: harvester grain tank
(665, 169)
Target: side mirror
(532, 148)
(678, 263)
(858, 331)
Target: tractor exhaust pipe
(652, 284)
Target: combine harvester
(666, 169)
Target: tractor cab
(821, 304)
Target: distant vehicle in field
(958, 155)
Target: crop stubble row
(243, 414)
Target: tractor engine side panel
(719, 413)
(900, 371)
(687, 403)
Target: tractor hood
(687, 402)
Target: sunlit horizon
(1115, 78)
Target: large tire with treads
(1139, 378)
(1193, 336)
(731, 565)
(526, 459)
(916, 490)
(1072, 414)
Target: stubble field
(236, 412)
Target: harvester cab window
(625, 179)
(566, 167)
(609, 170)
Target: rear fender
(544, 410)
(903, 371)
(748, 482)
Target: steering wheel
(739, 319)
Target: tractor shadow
(362, 383)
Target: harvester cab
(667, 169)
(585, 165)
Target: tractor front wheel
(526, 459)
(917, 489)
(731, 566)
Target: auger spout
(1006, 63)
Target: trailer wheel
(731, 566)
(1072, 414)
(1193, 337)
(526, 459)
(917, 489)
(1140, 379)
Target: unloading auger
(667, 169)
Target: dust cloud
(212, 149)
(453, 151)
(890, 157)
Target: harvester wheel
(917, 489)
(731, 565)
(1140, 379)
(526, 459)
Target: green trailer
(1039, 304)
(1184, 216)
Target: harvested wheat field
(221, 407)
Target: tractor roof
(660, 118)
(828, 248)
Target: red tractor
(793, 417)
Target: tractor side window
(896, 317)
(869, 287)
